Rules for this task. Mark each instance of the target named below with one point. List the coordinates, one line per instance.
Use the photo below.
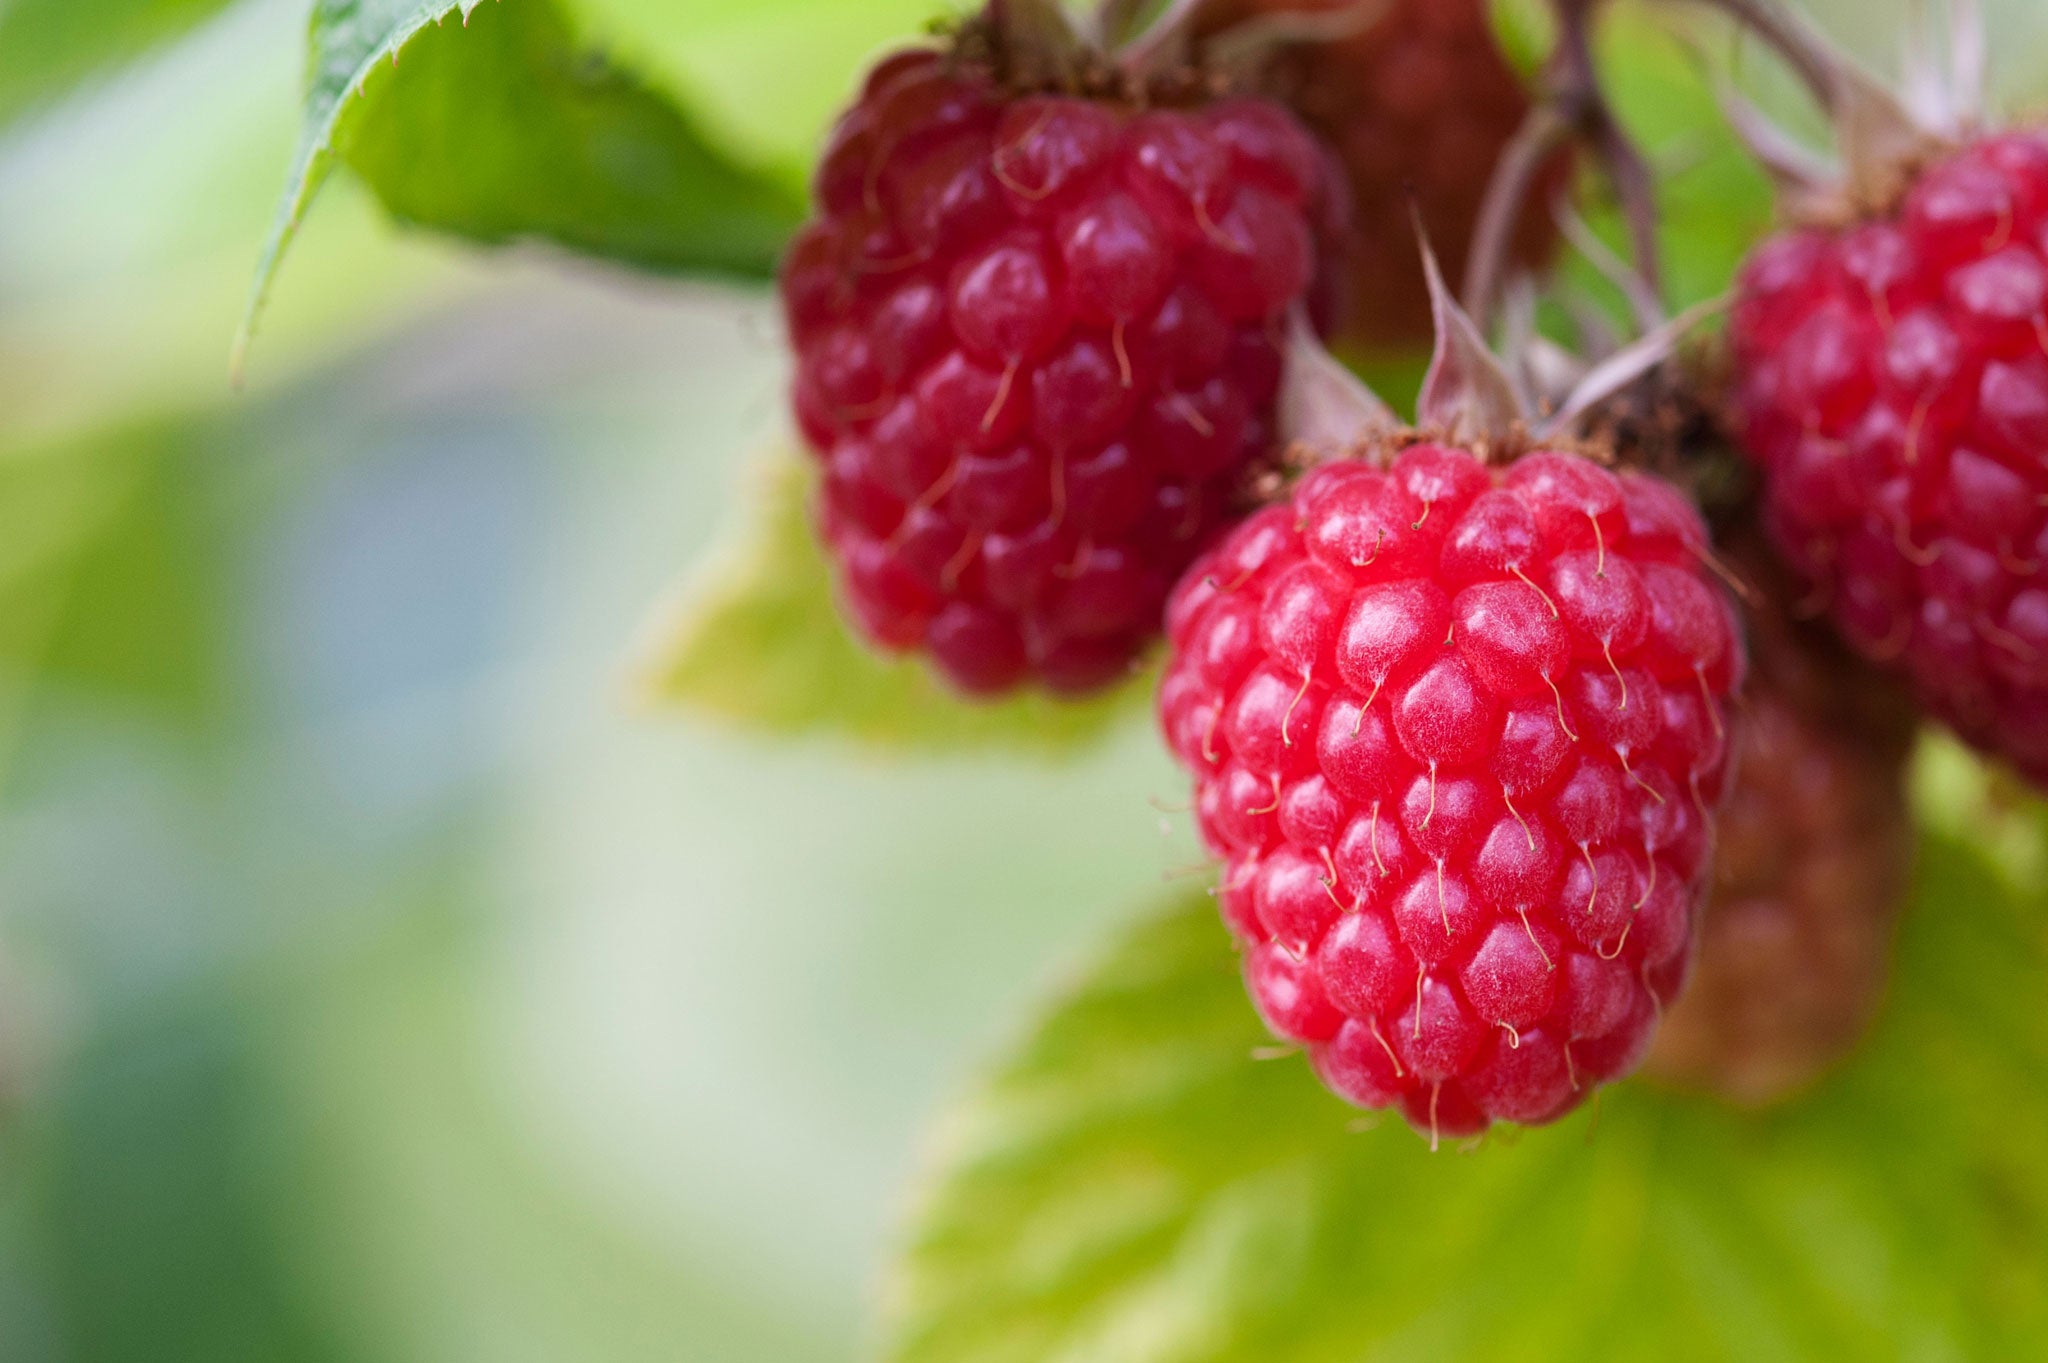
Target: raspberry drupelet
(1037, 347)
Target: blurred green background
(376, 981)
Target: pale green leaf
(770, 75)
(503, 126)
(759, 641)
(1132, 1186)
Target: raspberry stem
(1793, 41)
(1164, 44)
(1242, 52)
(1573, 108)
(1112, 19)
(1039, 43)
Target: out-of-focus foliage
(1133, 1184)
(760, 642)
(100, 592)
(48, 46)
(1715, 202)
(768, 75)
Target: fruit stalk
(1793, 41)
(1573, 108)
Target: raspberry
(1418, 106)
(1036, 342)
(1810, 867)
(1892, 386)
(1456, 732)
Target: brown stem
(1113, 20)
(1242, 51)
(1635, 188)
(1788, 36)
(1037, 39)
(1163, 43)
(1573, 108)
(1542, 133)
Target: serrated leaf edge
(310, 166)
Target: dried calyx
(1116, 53)
(1884, 134)
(1607, 399)
(1547, 397)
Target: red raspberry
(1037, 346)
(1456, 731)
(1418, 106)
(1892, 383)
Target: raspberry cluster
(1458, 705)
(1037, 347)
(1893, 385)
(1457, 731)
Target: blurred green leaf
(437, 1222)
(1525, 30)
(56, 503)
(503, 127)
(760, 643)
(142, 608)
(1132, 1186)
(165, 1220)
(769, 75)
(49, 46)
(104, 583)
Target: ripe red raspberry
(1456, 733)
(1891, 367)
(1810, 865)
(1418, 105)
(1037, 346)
(1893, 385)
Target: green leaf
(49, 46)
(504, 127)
(1132, 1186)
(759, 642)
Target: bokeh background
(377, 980)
